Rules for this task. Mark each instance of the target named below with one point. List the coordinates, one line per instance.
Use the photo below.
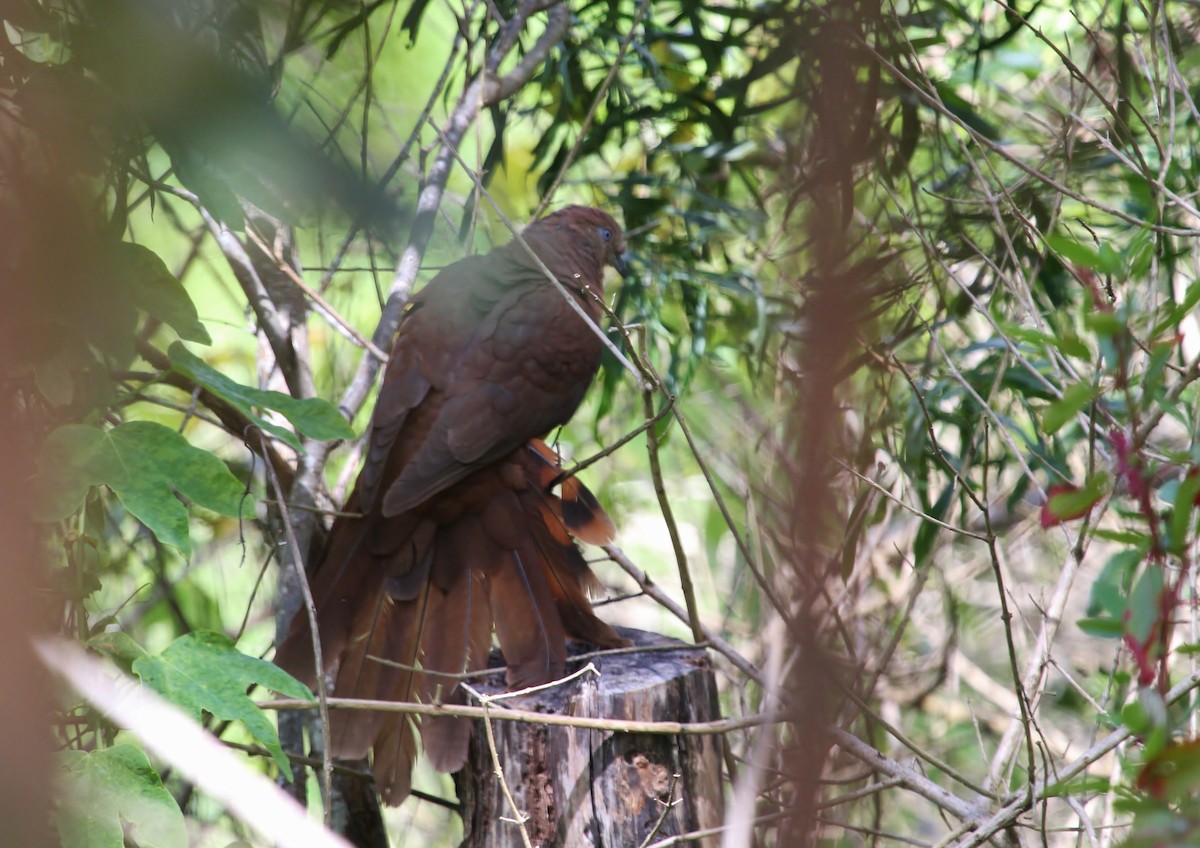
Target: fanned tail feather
(446, 738)
(424, 590)
(577, 509)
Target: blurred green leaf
(101, 793)
(1101, 628)
(204, 672)
(1183, 510)
(1145, 608)
(1101, 259)
(1075, 398)
(1067, 502)
(119, 647)
(1104, 323)
(1111, 587)
(928, 532)
(1181, 310)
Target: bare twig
(472, 101)
(296, 560)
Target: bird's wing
(434, 334)
(521, 373)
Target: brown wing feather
(530, 393)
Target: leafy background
(917, 278)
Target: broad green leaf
(314, 417)
(1074, 399)
(965, 112)
(118, 646)
(202, 176)
(157, 291)
(204, 672)
(1111, 588)
(1144, 606)
(1065, 341)
(1101, 628)
(1154, 712)
(1068, 502)
(1133, 716)
(1181, 514)
(1180, 311)
(1071, 345)
(1175, 772)
(1067, 248)
(103, 792)
(144, 464)
(1140, 253)
(1105, 323)
(1152, 379)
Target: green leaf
(1076, 787)
(316, 418)
(1157, 721)
(1074, 399)
(118, 646)
(1101, 628)
(102, 792)
(1067, 502)
(202, 176)
(1105, 323)
(1139, 253)
(204, 672)
(1065, 341)
(1071, 345)
(928, 532)
(965, 112)
(1124, 537)
(1181, 514)
(1152, 379)
(1133, 716)
(144, 464)
(1175, 774)
(1144, 607)
(1180, 311)
(1105, 261)
(1111, 588)
(158, 292)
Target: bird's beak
(621, 263)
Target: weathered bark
(589, 788)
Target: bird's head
(593, 232)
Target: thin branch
(469, 105)
(296, 560)
(657, 728)
(1006, 816)
(331, 314)
(652, 591)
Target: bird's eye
(606, 233)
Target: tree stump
(583, 788)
